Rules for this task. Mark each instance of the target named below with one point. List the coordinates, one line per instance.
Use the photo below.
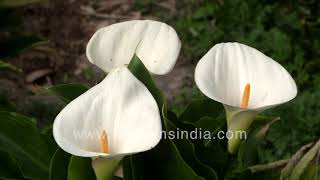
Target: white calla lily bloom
(245, 81)
(155, 43)
(117, 117)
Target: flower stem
(105, 167)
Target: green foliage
(80, 169)
(283, 30)
(295, 129)
(138, 69)
(297, 172)
(21, 139)
(248, 151)
(59, 165)
(188, 153)
(9, 167)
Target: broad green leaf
(9, 168)
(212, 152)
(161, 162)
(67, 92)
(59, 165)
(209, 124)
(16, 3)
(304, 162)
(19, 44)
(212, 125)
(248, 151)
(20, 137)
(47, 135)
(133, 167)
(8, 66)
(201, 108)
(187, 152)
(138, 69)
(80, 169)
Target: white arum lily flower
(245, 81)
(155, 43)
(117, 117)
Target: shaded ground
(68, 25)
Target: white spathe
(121, 105)
(155, 43)
(223, 73)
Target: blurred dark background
(42, 43)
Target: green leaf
(19, 44)
(133, 167)
(187, 152)
(161, 162)
(80, 169)
(138, 69)
(9, 168)
(201, 108)
(20, 137)
(67, 92)
(8, 66)
(59, 165)
(304, 162)
(16, 3)
(47, 136)
(209, 116)
(213, 151)
(248, 151)
(210, 124)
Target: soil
(68, 25)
